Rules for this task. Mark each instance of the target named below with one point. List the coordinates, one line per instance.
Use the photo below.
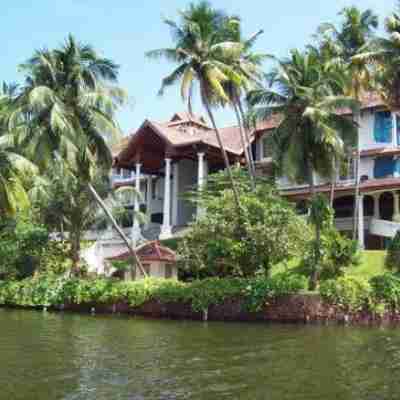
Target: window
(384, 167)
(168, 271)
(267, 144)
(383, 125)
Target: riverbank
(281, 298)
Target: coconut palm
(308, 138)
(68, 105)
(342, 48)
(248, 65)
(384, 55)
(14, 168)
(202, 41)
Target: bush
(200, 294)
(349, 293)
(337, 253)
(227, 243)
(392, 261)
(386, 290)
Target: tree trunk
(333, 182)
(120, 232)
(244, 145)
(246, 131)
(357, 179)
(75, 239)
(224, 154)
(315, 270)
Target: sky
(124, 30)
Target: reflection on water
(47, 356)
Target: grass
(372, 264)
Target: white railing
(346, 224)
(384, 228)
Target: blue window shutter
(383, 127)
(398, 130)
(384, 166)
(397, 167)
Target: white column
(377, 212)
(396, 207)
(175, 193)
(361, 238)
(149, 198)
(136, 207)
(166, 230)
(200, 178)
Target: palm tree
(202, 41)
(307, 139)
(14, 168)
(342, 46)
(68, 105)
(383, 54)
(248, 65)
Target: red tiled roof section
(150, 251)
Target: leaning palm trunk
(246, 131)
(357, 179)
(317, 256)
(119, 230)
(333, 182)
(224, 155)
(244, 145)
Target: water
(47, 356)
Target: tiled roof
(150, 251)
(184, 129)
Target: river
(47, 356)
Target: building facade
(166, 160)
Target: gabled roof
(150, 251)
(185, 129)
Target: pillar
(200, 178)
(377, 212)
(396, 207)
(361, 233)
(166, 230)
(175, 193)
(136, 206)
(149, 198)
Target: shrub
(349, 293)
(337, 253)
(392, 261)
(200, 294)
(386, 289)
(227, 243)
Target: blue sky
(124, 29)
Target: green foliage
(50, 291)
(387, 289)
(337, 253)
(349, 293)
(23, 245)
(321, 214)
(224, 242)
(392, 261)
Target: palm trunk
(119, 230)
(333, 182)
(357, 180)
(315, 271)
(244, 145)
(246, 131)
(224, 154)
(75, 251)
